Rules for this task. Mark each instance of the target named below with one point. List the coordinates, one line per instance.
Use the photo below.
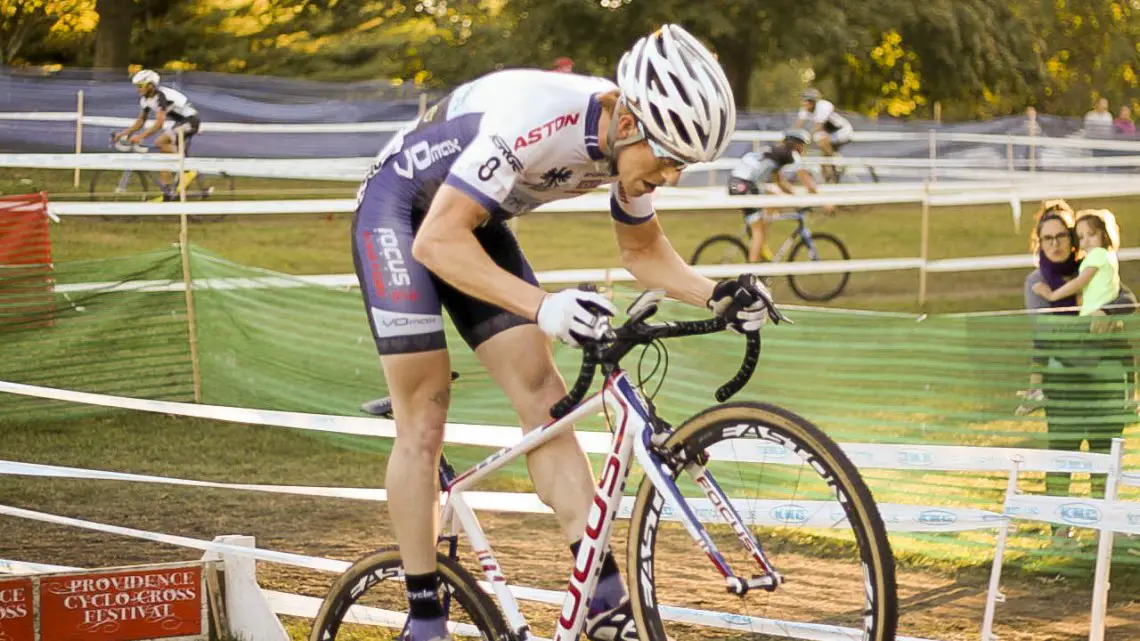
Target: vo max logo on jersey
(422, 155)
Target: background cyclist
(173, 113)
(830, 130)
(762, 172)
(430, 233)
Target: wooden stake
(933, 153)
(217, 602)
(184, 244)
(78, 132)
(924, 250)
(423, 105)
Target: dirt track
(934, 606)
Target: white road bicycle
(803, 553)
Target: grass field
(189, 448)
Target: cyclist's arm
(135, 126)
(807, 180)
(783, 183)
(446, 245)
(159, 119)
(650, 257)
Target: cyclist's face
(144, 90)
(640, 169)
(1055, 241)
(809, 105)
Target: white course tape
(284, 558)
(977, 263)
(21, 567)
(740, 135)
(1130, 478)
(1118, 516)
(897, 457)
(676, 199)
(766, 512)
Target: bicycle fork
(662, 477)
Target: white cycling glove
(575, 315)
(745, 303)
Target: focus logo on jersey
(422, 155)
(547, 128)
(385, 258)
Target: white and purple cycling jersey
(511, 140)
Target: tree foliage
(891, 57)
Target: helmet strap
(612, 143)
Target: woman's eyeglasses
(675, 161)
(1054, 239)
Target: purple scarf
(1056, 275)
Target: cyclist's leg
(758, 225)
(405, 315)
(560, 470)
(518, 356)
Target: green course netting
(108, 339)
(876, 378)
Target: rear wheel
(372, 593)
(807, 506)
(819, 287)
(722, 249)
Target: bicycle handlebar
(622, 340)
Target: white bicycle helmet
(678, 92)
(145, 77)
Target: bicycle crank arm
(740, 587)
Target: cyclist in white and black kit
(172, 113)
(829, 128)
(430, 233)
(763, 172)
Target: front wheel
(372, 593)
(722, 249)
(808, 508)
(819, 287)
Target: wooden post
(78, 132)
(938, 112)
(933, 153)
(1009, 155)
(217, 601)
(1033, 147)
(925, 248)
(184, 244)
(423, 105)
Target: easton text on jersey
(544, 130)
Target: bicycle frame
(633, 436)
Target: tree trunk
(738, 63)
(113, 35)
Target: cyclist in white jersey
(763, 172)
(829, 129)
(430, 233)
(172, 113)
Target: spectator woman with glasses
(1081, 374)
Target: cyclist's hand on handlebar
(575, 315)
(745, 303)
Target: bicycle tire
(730, 245)
(798, 286)
(723, 422)
(385, 564)
(104, 187)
